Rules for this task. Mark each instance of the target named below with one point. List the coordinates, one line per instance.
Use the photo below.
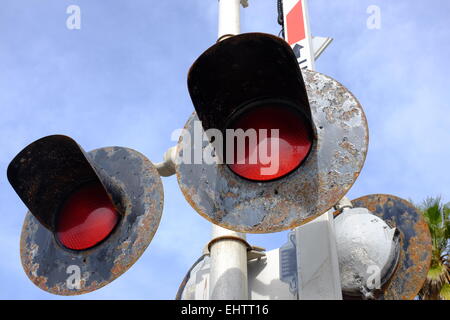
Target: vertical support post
(317, 260)
(228, 277)
(228, 249)
(229, 17)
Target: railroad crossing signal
(91, 214)
(253, 81)
(97, 212)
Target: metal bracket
(255, 253)
(167, 167)
(244, 3)
(344, 203)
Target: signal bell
(406, 276)
(95, 211)
(253, 81)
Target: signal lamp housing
(253, 81)
(96, 212)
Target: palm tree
(437, 284)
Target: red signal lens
(294, 142)
(87, 218)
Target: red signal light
(87, 218)
(295, 139)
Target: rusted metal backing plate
(135, 187)
(332, 167)
(415, 240)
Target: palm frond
(437, 277)
(437, 284)
(446, 210)
(433, 212)
(445, 292)
(447, 229)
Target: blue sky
(121, 80)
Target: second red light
(87, 218)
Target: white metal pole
(228, 249)
(228, 253)
(229, 17)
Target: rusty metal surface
(415, 241)
(136, 189)
(330, 170)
